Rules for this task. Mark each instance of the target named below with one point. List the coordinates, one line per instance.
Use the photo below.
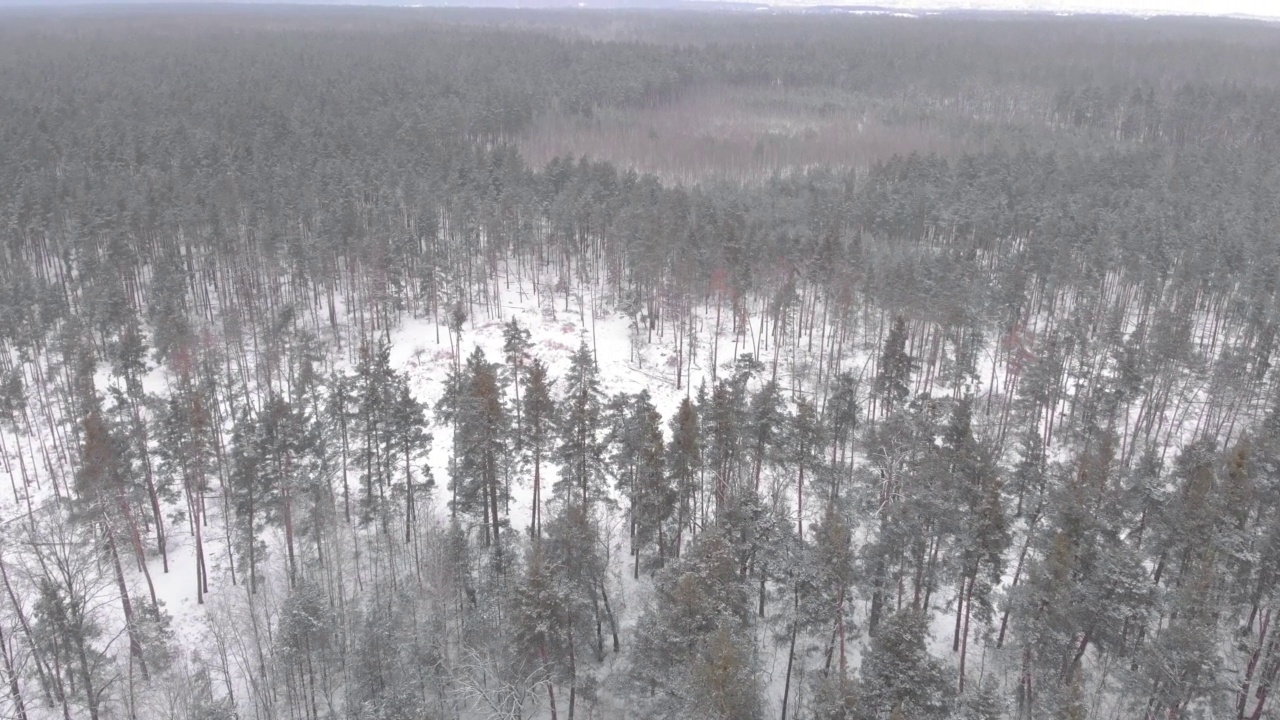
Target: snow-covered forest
(456, 364)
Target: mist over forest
(456, 364)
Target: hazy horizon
(1266, 9)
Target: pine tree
(129, 362)
(515, 347)
(768, 429)
(973, 497)
(573, 554)
(824, 600)
(388, 433)
(481, 442)
(187, 456)
(408, 428)
(551, 621)
(694, 650)
(338, 412)
(248, 489)
(374, 396)
(806, 439)
(1085, 587)
(281, 431)
(1028, 476)
(684, 461)
(893, 381)
(983, 703)
(898, 674)
(580, 451)
(103, 494)
(841, 415)
(275, 467)
(537, 433)
(640, 463)
(305, 637)
(722, 421)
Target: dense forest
(456, 364)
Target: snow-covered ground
(628, 360)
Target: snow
(627, 362)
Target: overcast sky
(1257, 8)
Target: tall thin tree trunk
(126, 606)
(15, 692)
(964, 635)
(791, 656)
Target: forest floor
(630, 358)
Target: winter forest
(447, 364)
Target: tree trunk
(135, 644)
(877, 597)
(43, 672)
(791, 656)
(800, 503)
(15, 692)
(288, 533)
(534, 525)
(1252, 666)
(551, 687)
(346, 487)
(964, 636)
(608, 611)
(153, 496)
(493, 500)
(87, 679)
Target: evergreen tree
(481, 444)
(515, 347)
(1085, 588)
(899, 677)
(1028, 476)
(306, 637)
(339, 414)
(639, 458)
(247, 488)
(805, 439)
(684, 463)
(187, 455)
(824, 595)
(410, 441)
(982, 703)
(552, 622)
(694, 650)
(580, 451)
(768, 429)
(573, 547)
(722, 418)
(103, 494)
(841, 416)
(375, 395)
(893, 381)
(537, 433)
